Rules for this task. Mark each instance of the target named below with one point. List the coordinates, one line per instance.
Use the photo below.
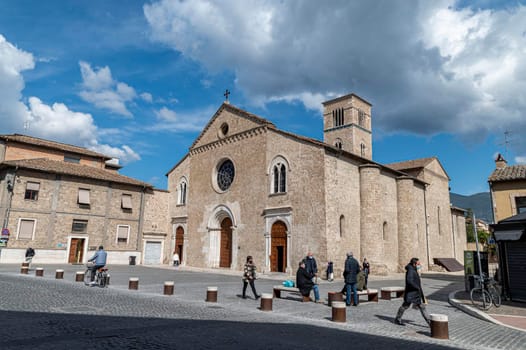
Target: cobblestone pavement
(45, 313)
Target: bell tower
(347, 125)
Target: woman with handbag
(249, 276)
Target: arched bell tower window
(338, 143)
(362, 149)
(337, 117)
(361, 118)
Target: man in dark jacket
(413, 292)
(310, 265)
(352, 267)
(305, 284)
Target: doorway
(76, 251)
(225, 253)
(278, 251)
(179, 242)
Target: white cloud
(13, 61)
(103, 91)
(125, 154)
(520, 160)
(428, 67)
(165, 114)
(146, 96)
(170, 121)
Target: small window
(279, 175)
(123, 233)
(338, 144)
(342, 225)
(181, 192)
(384, 231)
(361, 118)
(84, 198)
(337, 116)
(26, 229)
(362, 150)
(32, 189)
(126, 202)
(520, 203)
(70, 158)
(79, 226)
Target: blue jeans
(351, 287)
(316, 292)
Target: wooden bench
(278, 289)
(388, 291)
(372, 295)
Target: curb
(476, 312)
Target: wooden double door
(278, 249)
(179, 242)
(76, 251)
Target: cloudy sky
(138, 80)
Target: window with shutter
(123, 232)
(126, 202)
(32, 189)
(84, 198)
(26, 229)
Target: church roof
(242, 113)
(509, 173)
(35, 141)
(72, 169)
(412, 164)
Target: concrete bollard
(39, 272)
(211, 294)
(133, 283)
(339, 311)
(79, 276)
(266, 302)
(25, 264)
(439, 326)
(334, 296)
(168, 288)
(24, 270)
(59, 274)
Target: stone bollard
(266, 302)
(79, 276)
(59, 274)
(439, 326)
(339, 311)
(334, 296)
(25, 264)
(211, 294)
(24, 270)
(133, 283)
(168, 288)
(39, 272)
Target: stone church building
(246, 187)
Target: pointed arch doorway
(179, 242)
(278, 249)
(225, 252)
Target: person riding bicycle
(99, 259)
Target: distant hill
(480, 203)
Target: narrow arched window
(182, 188)
(342, 225)
(362, 150)
(338, 144)
(279, 178)
(361, 118)
(384, 231)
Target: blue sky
(137, 80)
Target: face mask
(418, 267)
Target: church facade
(248, 188)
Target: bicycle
(486, 294)
(101, 277)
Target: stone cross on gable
(226, 94)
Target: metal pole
(481, 276)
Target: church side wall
(342, 191)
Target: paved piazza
(45, 313)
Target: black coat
(304, 281)
(413, 288)
(311, 266)
(352, 267)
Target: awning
(508, 235)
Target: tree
(483, 235)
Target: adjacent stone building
(507, 185)
(65, 201)
(248, 188)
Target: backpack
(360, 277)
(288, 283)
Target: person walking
(413, 293)
(330, 271)
(365, 269)
(249, 276)
(352, 267)
(30, 253)
(305, 284)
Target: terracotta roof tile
(512, 172)
(52, 144)
(65, 168)
(411, 164)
